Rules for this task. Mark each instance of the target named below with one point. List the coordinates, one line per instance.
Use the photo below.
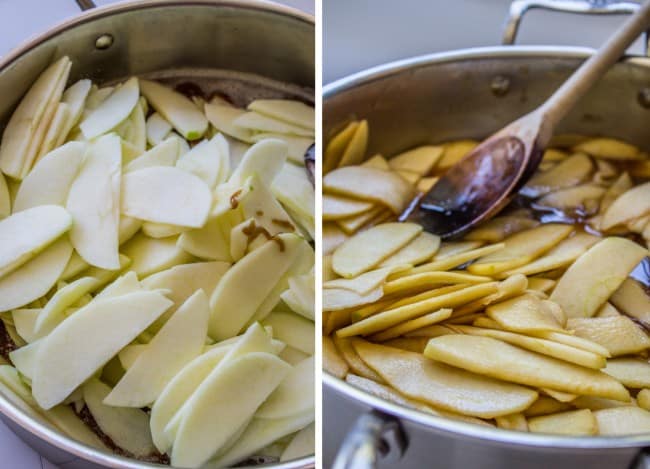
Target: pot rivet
(500, 85)
(104, 42)
(644, 97)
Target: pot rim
(442, 424)
(9, 409)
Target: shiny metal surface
(439, 97)
(246, 44)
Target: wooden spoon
(481, 184)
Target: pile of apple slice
(156, 275)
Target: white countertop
(20, 20)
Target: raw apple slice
(301, 295)
(65, 419)
(25, 321)
(293, 112)
(113, 110)
(75, 98)
(94, 203)
(129, 354)
(261, 123)
(293, 330)
(176, 109)
(223, 402)
(23, 123)
(222, 117)
(26, 233)
(157, 129)
(265, 159)
(53, 312)
(294, 395)
(292, 188)
(162, 230)
(132, 130)
(301, 445)
(49, 181)
(297, 146)
(151, 255)
(256, 274)
(180, 340)
(127, 228)
(56, 126)
(24, 358)
(128, 428)
(127, 283)
(5, 198)
(260, 205)
(166, 195)
(210, 242)
(204, 160)
(85, 341)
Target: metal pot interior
(442, 97)
(244, 49)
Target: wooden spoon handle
(563, 100)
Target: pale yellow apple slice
(443, 386)
(261, 123)
(515, 421)
(347, 351)
(455, 151)
(453, 257)
(75, 97)
(301, 445)
(211, 241)
(164, 153)
(157, 128)
(499, 228)
(203, 160)
(292, 188)
(258, 434)
(49, 181)
(632, 372)
(568, 173)
(162, 230)
(337, 145)
(151, 255)
(59, 120)
(333, 237)
(419, 250)
(222, 117)
(336, 207)
(178, 110)
(367, 249)
(223, 402)
(132, 130)
(575, 422)
(166, 195)
(420, 160)
(622, 421)
(341, 299)
(128, 428)
(53, 312)
(525, 314)
(35, 278)
(113, 110)
(265, 159)
(22, 125)
(291, 111)
(5, 198)
(297, 146)
(619, 335)
(85, 341)
(26, 233)
(256, 274)
(412, 325)
(380, 186)
(24, 322)
(496, 359)
(609, 148)
(643, 399)
(521, 248)
(261, 205)
(591, 279)
(333, 362)
(355, 149)
(294, 395)
(301, 295)
(293, 330)
(24, 358)
(94, 203)
(361, 284)
(129, 354)
(178, 342)
(628, 206)
(631, 299)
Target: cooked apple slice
(631, 299)
(591, 279)
(361, 284)
(608, 148)
(166, 195)
(439, 385)
(26, 233)
(302, 444)
(204, 160)
(496, 359)
(49, 181)
(293, 112)
(337, 145)
(176, 109)
(525, 314)
(333, 362)
(499, 228)
(151, 255)
(568, 173)
(294, 395)
(223, 118)
(88, 339)
(336, 207)
(366, 250)
(632, 372)
(179, 341)
(575, 422)
(619, 335)
(94, 203)
(455, 151)
(626, 420)
(412, 325)
(628, 206)
(643, 399)
(420, 249)
(341, 299)
(584, 199)
(515, 421)
(113, 110)
(384, 187)
(157, 129)
(75, 97)
(350, 355)
(452, 257)
(128, 428)
(420, 160)
(355, 150)
(293, 330)
(19, 132)
(333, 237)
(256, 274)
(521, 248)
(53, 312)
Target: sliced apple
(631, 299)
(336, 207)
(55, 128)
(157, 129)
(5, 198)
(96, 333)
(151, 255)
(24, 358)
(420, 249)
(24, 322)
(211, 241)
(53, 312)
(179, 341)
(49, 181)
(355, 149)
(178, 110)
(618, 334)
(568, 173)
(626, 420)
(420, 160)
(163, 154)
(628, 206)
(575, 422)
(94, 203)
(302, 444)
(128, 428)
(223, 118)
(166, 195)
(293, 112)
(524, 314)
(455, 151)
(294, 395)
(609, 148)
(75, 97)
(292, 188)
(260, 205)
(204, 160)
(113, 110)
(301, 295)
(265, 159)
(297, 146)
(259, 122)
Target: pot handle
(518, 8)
(373, 436)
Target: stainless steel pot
(244, 48)
(471, 94)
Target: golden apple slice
(420, 249)
(543, 285)
(96, 333)
(608, 148)
(403, 285)
(378, 162)
(568, 173)
(336, 146)
(643, 399)
(632, 372)
(412, 325)
(355, 150)
(628, 206)
(333, 237)
(366, 250)
(420, 160)
(575, 422)
(291, 111)
(499, 228)
(176, 109)
(454, 152)
(521, 248)
(294, 395)
(440, 385)
(336, 207)
(622, 421)
(632, 299)
(515, 421)
(496, 359)
(351, 225)
(545, 406)
(361, 284)
(333, 362)
(151, 255)
(164, 154)
(523, 314)
(293, 330)
(584, 199)
(373, 184)
(618, 188)
(559, 396)
(591, 279)
(358, 366)
(113, 110)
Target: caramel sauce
(7, 344)
(234, 201)
(252, 231)
(283, 224)
(259, 213)
(280, 242)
